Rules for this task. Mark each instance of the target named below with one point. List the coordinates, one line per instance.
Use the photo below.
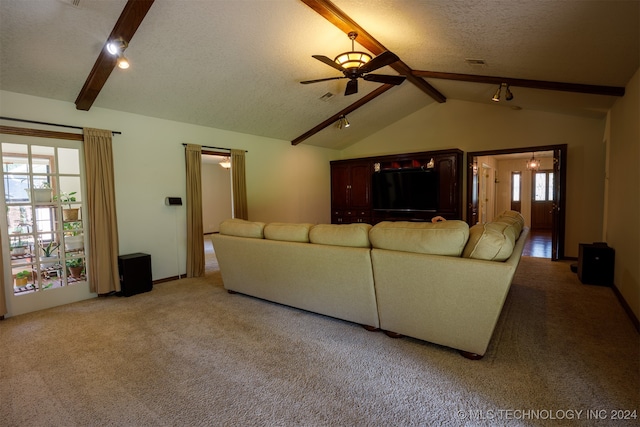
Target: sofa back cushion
(354, 235)
(493, 241)
(440, 238)
(288, 232)
(242, 228)
(514, 218)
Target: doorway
(546, 197)
(216, 191)
(217, 202)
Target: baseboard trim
(626, 308)
(166, 279)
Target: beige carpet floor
(190, 354)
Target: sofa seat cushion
(242, 228)
(353, 235)
(492, 241)
(288, 232)
(440, 238)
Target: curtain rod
(215, 148)
(113, 132)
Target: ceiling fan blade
(385, 58)
(381, 78)
(352, 87)
(306, 82)
(330, 62)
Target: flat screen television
(405, 190)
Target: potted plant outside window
(73, 237)
(18, 247)
(42, 193)
(76, 267)
(48, 252)
(22, 278)
(70, 213)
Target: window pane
(550, 186)
(69, 161)
(540, 186)
(515, 193)
(16, 188)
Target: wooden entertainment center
(352, 192)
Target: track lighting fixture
(496, 96)
(343, 122)
(507, 93)
(117, 48)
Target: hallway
(538, 244)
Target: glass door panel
(41, 184)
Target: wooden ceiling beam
(337, 17)
(331, 120)
(534, 84)
(130, 19)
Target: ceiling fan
(355, 64)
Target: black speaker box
(135, 274)
(595, 264)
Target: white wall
(622, 226)
(284, 183)
(478, 127)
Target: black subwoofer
(135, 274)
(595, 264)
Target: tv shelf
(352, 192)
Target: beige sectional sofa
(440, 282)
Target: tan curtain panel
(195, 229)
(3, 301)
(102, 271)
(239, 182)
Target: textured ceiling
(237, 65)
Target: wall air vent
(74, 3)
(476, 62)
(327, 96)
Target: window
(543, 186)
(516, 191)
(515, 186)
(46, 243)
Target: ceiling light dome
(352, 60)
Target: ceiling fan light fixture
(352, 60)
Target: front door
(542, 200)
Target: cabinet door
(339, 186)
(360, 186)
(447, 172)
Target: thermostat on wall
(173, 201)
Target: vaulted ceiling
(236, 65)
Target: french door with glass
(43, 226)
